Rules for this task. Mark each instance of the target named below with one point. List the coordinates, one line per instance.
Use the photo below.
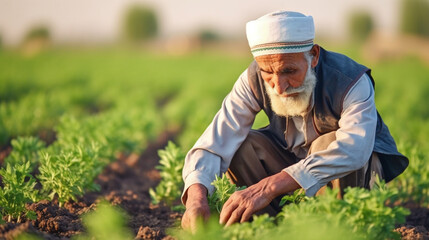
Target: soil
(416, 225)
(126, 183)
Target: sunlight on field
(110, 101)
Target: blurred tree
(208, 35)
(361, 25)
(415, 17)
(37, 33)
(36, 40)
(140, 23)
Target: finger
(232, 200)
(235, 216)
(228, 202)
(226, 212)
(247, 214)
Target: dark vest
(336, 74)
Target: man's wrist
(195, 192)
(281, 183)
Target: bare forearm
(195, 200)
(196, 192)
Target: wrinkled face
(289, 81)
(283, 72)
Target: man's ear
(315, 52)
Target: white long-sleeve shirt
(212, 153)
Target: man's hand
(243, 204)
(197, 207)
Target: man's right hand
(197, 207)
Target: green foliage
(413, 184)
(25, 116)
(69, 134)
(362, 214)
(18, 189)
(223, 190)
(171, 164)
(66, 175)
(27, 236)
(25, 149)
(106, 222)
(140, 23)
(361, 25)
(18, 183)
(297, 197)
(313, 226)
(210, 230)
(260, 228)
(414, 17)
(365, 212)
(70, 173)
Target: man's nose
(280, 83)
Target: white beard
(293, 105)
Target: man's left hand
(243, 204)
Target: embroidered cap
(280, 32)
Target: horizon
(85, 21)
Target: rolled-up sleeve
(212, 153)
(353, 145)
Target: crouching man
(323, 129)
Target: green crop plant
(297, 197)
(18, 189)
(105, 222)
(72, 132)
(366, 212)
(413, 184)
(314, 225)
(361, 214)
(224, 188)
(170, 166)
(210, 230)
(25, 149)
(66, 175)
(258, 228)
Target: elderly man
(323, 127)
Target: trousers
(260, 156)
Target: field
(83, 128)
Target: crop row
(67, 168)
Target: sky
(100, 20)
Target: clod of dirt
(416, 225)
(9, 231)
(409, 232)
(53, 219)
(148, 233)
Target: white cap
(280, 32)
